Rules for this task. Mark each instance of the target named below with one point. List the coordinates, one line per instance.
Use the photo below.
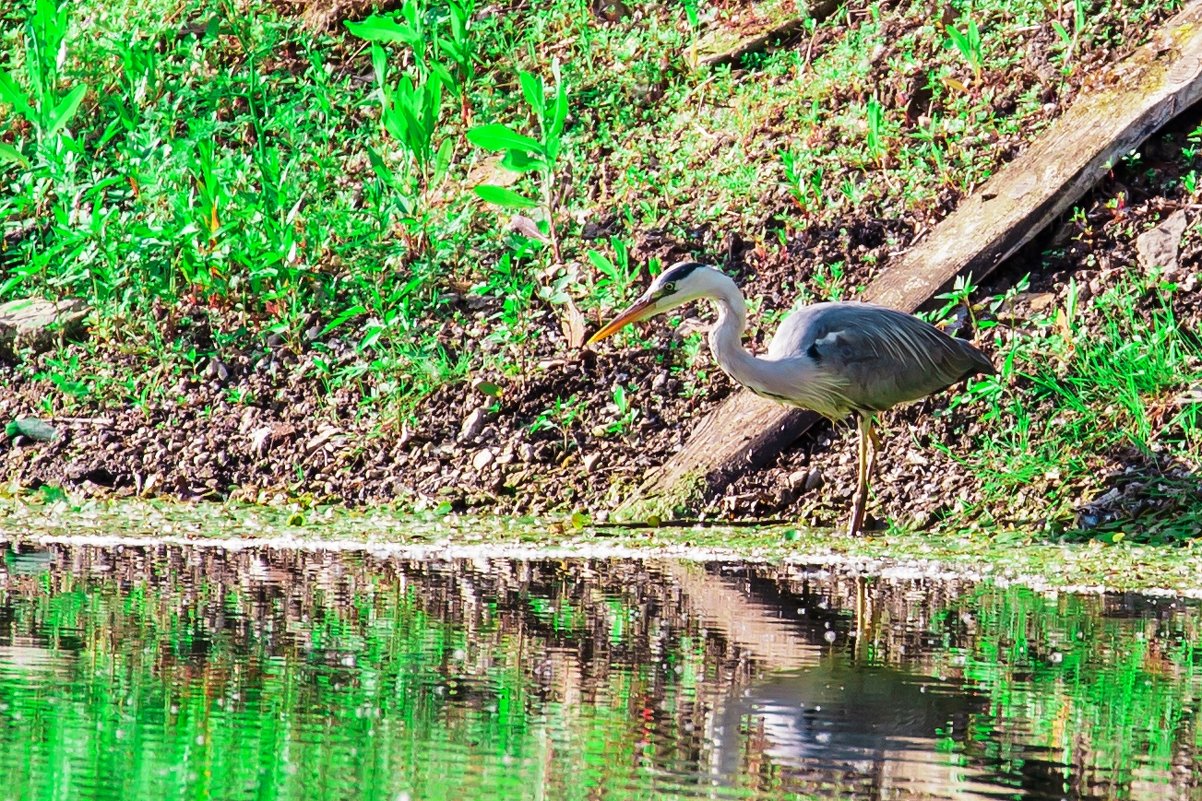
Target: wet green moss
(1011, 557)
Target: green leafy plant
(50, 109)
(1189, 182)
(803, 181)
(459, 48)
(410, 107)
(873, 136)
(960, 296)
(624, 413)
(968, 44)
(829, 278)
(617, 275)
(1070, 40)
(561, 415)
(526, 154)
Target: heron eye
(669, 289)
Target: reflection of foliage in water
(1108, 683)
(164, 672)
(319, 679)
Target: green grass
(1090, 400)
(240, 168)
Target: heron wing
(880, 356)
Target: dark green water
(163, 672)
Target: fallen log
(1128, 102)
(775, 22)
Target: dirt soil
(250, 424)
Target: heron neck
(726, 340)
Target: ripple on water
(162, 671)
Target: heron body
(838, 359)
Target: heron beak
(642, 308)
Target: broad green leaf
(213, 29)
(380, 28)
(379, 167)
(1065, 36)
(495, 136)
(11, 93)
(11, 154)
(372, 336)
(532, 90)
(517, 161)
(560, 113)
(433, 107)
(441, 76)
(488, 388)
(602, 263)
(379, 63)
(442, 160)
(504, 197)
(394, 120)
(66, 109)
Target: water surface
(166, 671)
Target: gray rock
(32, 428)
(482, 459)
(814, 480)
(1159, 247)
(39, 325)
(472, 425)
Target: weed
(1068, 394)
(968, 44)
(803, 181)
(828, 278)
(873, 135)
(617, 274)
(525, 154)
(64, 375)
(49, 110)
(624, 413)
(410, 107)
(1189, 182)
(958, 297)
(560, 416)
(1067, 39)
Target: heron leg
(874, 447)
(860, 500)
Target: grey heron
(838, 358)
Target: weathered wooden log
(774, 24)
(1122, 107)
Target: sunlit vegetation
(216, 177)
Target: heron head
(680, 283)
